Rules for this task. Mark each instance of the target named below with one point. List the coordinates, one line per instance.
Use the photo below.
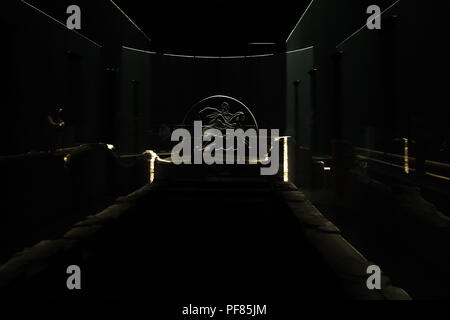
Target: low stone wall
(399, 211)
(27, 265)
(43, 193)
(349, 265)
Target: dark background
(324, 77)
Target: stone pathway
(200, 233)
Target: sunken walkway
(200, 232)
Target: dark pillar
(296, 84)
(314, 132)
(135, 84)
(337, 84)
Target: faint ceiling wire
(364, 26)
(132, 22)
(59, 22)
(301, 18)
(217, 57)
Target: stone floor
(200, 233)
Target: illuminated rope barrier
(153, 156)
(402, 167)
(406, 156)
(428, 162)
(285, 160)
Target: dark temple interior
(353, 115)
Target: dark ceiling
(215, 27)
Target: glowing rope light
(285, 160)
(152, 169)
(285, 157)
(406, 157)
(153, 157)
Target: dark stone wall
(109, 93)
(48, 66)
(53, 191)
(166, 87)
(133, 113)
(299, 96)
(386, 83)
(324, 25)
